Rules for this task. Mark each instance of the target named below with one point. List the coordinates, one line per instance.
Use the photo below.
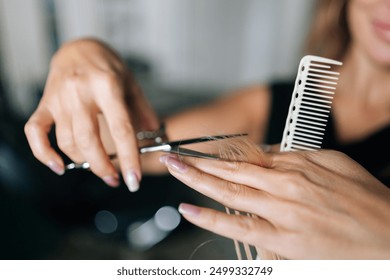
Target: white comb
(309, 111)
(310, 104)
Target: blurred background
(183, 52)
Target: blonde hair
(242, 149)
(329, 35)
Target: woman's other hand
(318, 205)
(88, 91)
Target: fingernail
(111, 180)
(131, 181)
(188, 209)
(55, 167)
(163, 158)
(174, 163)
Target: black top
(371, 152)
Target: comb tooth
(320, 86)
(321, 81)
(309, 115)
(303, 117)
(300, 128)
(310, 122)
(304, 112)
(323, 71)
(306, 135)
(315, 104)
(323, 76)
(315, 109)
(309, 90)
(313, 64)
(306, 139)
(325, 64)
(317, 99)
(307, 145)
(312, 127)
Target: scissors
(174, 147)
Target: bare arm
(242, 111)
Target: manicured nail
(112, 181)
(56, 168)
(164, 158)
(131, 181)
(188, 209)
(174, 162)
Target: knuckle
(122, 131)
(295, 216)
(213, 219)
(231, 192)
(71, 80)
(108, 79)
(234, 168)
(247, 226)
(66, 143)
(196, 178)
(85, 138)
(293, 182)
(31, 127)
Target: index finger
(126, 144)
(254, 176)
(37, 129)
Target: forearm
(242, 111)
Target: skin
(362, 103)
(309, 205)
(97, 107)
(318, 205)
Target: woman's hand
(89, 96)
(318, 205)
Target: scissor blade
(170, 147)
(191, 153)
(203, 139)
